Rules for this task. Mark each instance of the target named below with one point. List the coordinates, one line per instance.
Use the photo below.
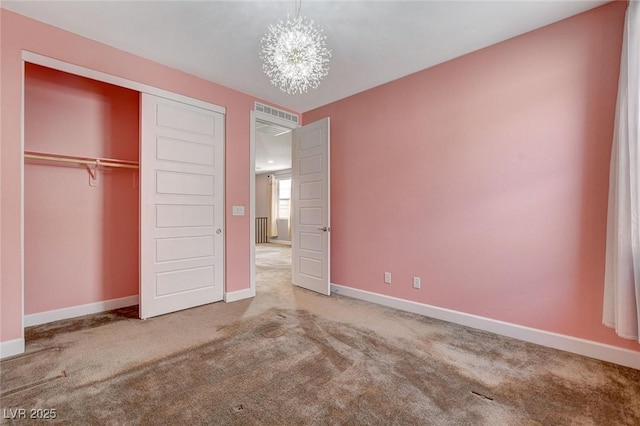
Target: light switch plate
(238, 210)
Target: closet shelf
(105, 162)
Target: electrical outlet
(387, 277)
(416, 282)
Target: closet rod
(108, 162)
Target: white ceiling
(373, 42)
(272, 152)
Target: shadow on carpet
(44, 331)
(292, 367)
(29, 370)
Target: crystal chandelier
(294, 54)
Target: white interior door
(181, 212)
(310, 212)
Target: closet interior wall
(81, 242)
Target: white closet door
(181, 212)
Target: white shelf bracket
(93, 173)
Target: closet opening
(81, 195)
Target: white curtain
(273, 206)
(622, 271)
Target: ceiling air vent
(270, 128)
(277, 112)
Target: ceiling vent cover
(277, 112)
(270, 128)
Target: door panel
(184, 183)
(174, 282)
(168, 249)
(177, 117)
(184, 152)
(310, 207)
(182, 173)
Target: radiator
(261, 230)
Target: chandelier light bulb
(295, 55)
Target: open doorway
(271, 197)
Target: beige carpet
(293, 357)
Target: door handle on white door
(324, 229)
(218, 231)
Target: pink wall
(81, 242)
(17, 33)
(487, 176)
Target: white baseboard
(78, 311)
(283, 242)
(596, 350)
(234, 296)
(11, 348)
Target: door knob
(324, 229)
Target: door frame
(69, 68)
(257, 115)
